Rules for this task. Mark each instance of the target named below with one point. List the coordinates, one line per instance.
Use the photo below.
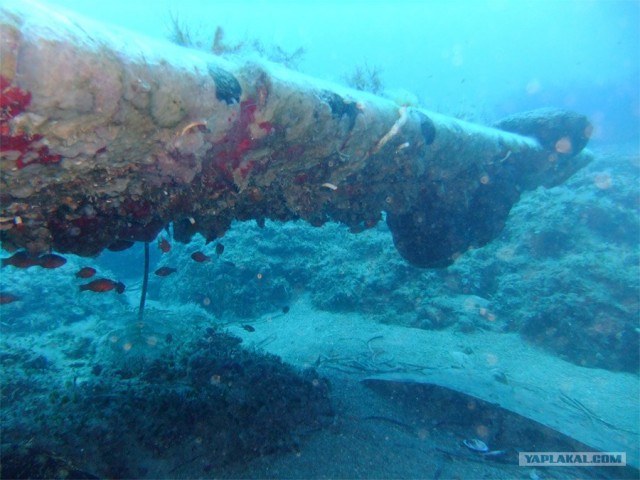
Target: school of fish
(24, 260)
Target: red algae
(13, 100)
(266, 126)
(232, 148)
(30, 148)
(238, 140)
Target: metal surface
(107, 137)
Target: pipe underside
(108, 137)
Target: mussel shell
(475, 444)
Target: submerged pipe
(107, 136)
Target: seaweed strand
(145, 280)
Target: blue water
(256, 362)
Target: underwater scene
(320, 239)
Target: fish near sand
(51, 260)
(6, 298)
(102, 285)
(200, 257)
(21, 260)
(24, 260)
(165, 271)
(86, 272)
(164, 246)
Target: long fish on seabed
(102, 285)
(24, 260)
(21, 260)
(6, 298)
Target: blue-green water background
(480, 58)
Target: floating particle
(564, 145)
(603, 180)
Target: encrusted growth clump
(21, 146)
(184, 34)
(365, 78)
(211, 401)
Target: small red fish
(164, 245)
(8, 298)
(86, 272)
(103, 285)
(51, 260)
(219, 249)
(165, 271)
(21, 260)
(200, 257)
